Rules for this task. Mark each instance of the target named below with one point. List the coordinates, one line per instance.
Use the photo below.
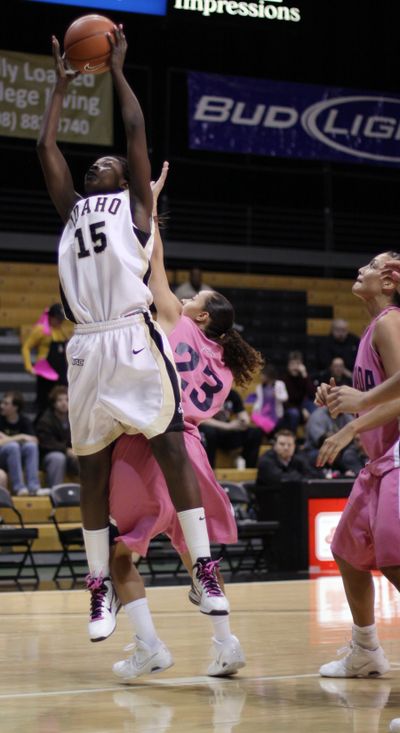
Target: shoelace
(207, 577)
(345, 649)
(98, 590)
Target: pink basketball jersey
(368, 373)
(206, 381)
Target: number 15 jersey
(206, 380)
(103, 260)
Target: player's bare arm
(132, 115)
(55, 168)
(169, 308)
(386, 341)
(370, 420)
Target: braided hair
(243, 361)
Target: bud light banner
(279, 119)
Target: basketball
(87, 48)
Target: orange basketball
(87, 48)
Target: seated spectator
(270, 397)
(337, 370)
(300, 390)
(54, 435)
(231, 429)
(192, 286)
(282, 463)
(320, 426)
(48, 338)
(18, 446)
(340, 342)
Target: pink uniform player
(206, 382)
(208, 353)
(367, 537)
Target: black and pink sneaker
(104, 606)
(206, 591)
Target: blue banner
(280, 119)
(148, 7)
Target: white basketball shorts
(122, 379)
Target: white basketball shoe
(206, 591)
(357, 662)
(104, 606)
(144, 660)
(228, 658)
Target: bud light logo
(293, 120)
(366, 127)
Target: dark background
(302, 204)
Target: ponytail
(243, 361)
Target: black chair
(253, 547)
(18, 539)
(62, 497)
(161, 559)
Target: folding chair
(18, 539)
(65, 497)
(253, 535)
(161, 559)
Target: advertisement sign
(148, 7)
(280, 119)
(26, 83)
(275, 10)
(323, 518)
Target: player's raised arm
(132, 115)
(55, 168)
(169, 308)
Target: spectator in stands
(282, 463)
(18, 446)
(54, 435)
(341, 343)
(338, 371)
(192, 286)
(230, 429)
(270, 397)
(300, 390)
(321, 426)
(48, 337)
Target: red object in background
(323, 518)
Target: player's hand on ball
(64, 74)
(119, 47)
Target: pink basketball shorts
(368, 534)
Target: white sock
(139, 615)
(194, 528)
(222, 627)
(365, 636)
(97, 546)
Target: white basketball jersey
(103, 266)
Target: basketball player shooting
(121, 373)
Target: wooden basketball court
(54, 681)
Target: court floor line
(177, 682)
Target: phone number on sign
(13, 121)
